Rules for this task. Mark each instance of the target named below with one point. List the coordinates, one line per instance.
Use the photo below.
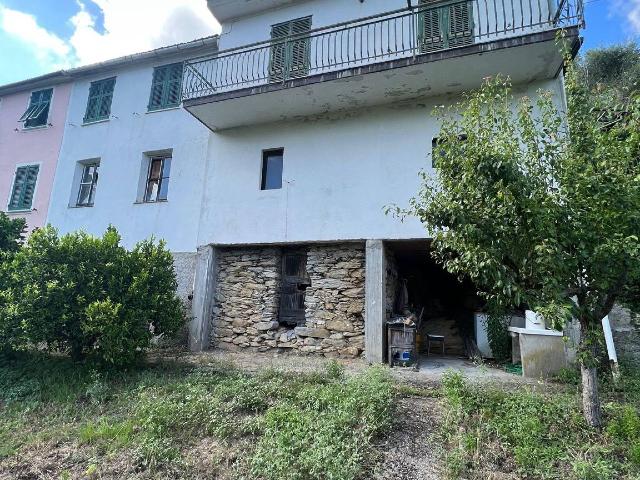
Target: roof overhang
(226, 10)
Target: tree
(612, 71)
(539, 207)
(11, 232)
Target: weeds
(305, 426)
(535, 435)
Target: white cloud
(630, 9)
(50, 50)
(130, 26)
(634, 16)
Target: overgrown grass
(288, 425)
(541, 435)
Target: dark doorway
(448, 305)
(295, 281)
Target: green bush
(11, 237)
(90, 296)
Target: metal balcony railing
(431, 27)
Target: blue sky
(38, 36)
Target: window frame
(24, 119)
(161, 179)
(86, 120)
(20, 208)
(263, 168)
(93, 183)
(165, 88)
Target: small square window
(88, 184)
(272, 169)
(157, 187)
(37, 112)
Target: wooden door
(294, 283)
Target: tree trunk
(590, 398)
(590, 337)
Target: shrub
(90, 296)
(11, 237)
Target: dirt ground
(412, 450)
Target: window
(158, 179)
(24, 186)
(290, 58)
(38, 111)
(99, 103)
(88, 183)
(166, 87)
(444, 26)
(272, 169)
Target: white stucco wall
(492, 19)
(339, 173)
(120, 144)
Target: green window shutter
(300, 49)
(278, 58)
(38, 111)
(166, 87)
(444, 26)
(460, 24)
(24, 186)
(290, 58)
(99, 103)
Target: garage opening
(446, 310)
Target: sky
(40, 36)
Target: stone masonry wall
(625, 327)
(245, 312)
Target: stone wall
(246, 301)
(626, 334)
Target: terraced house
(265, 157)
(321, 115)
(32, 121)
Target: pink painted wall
(38, 145)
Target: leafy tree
(612, 71)
(92, 297)
(540, 209)
(11, 232)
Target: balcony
(436, 49)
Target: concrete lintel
(375, 298)
(203, 291)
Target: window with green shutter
(443, 25)
(24, 186)
(38, 110)
(99, 103)
(166, 87)
(290, 52)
